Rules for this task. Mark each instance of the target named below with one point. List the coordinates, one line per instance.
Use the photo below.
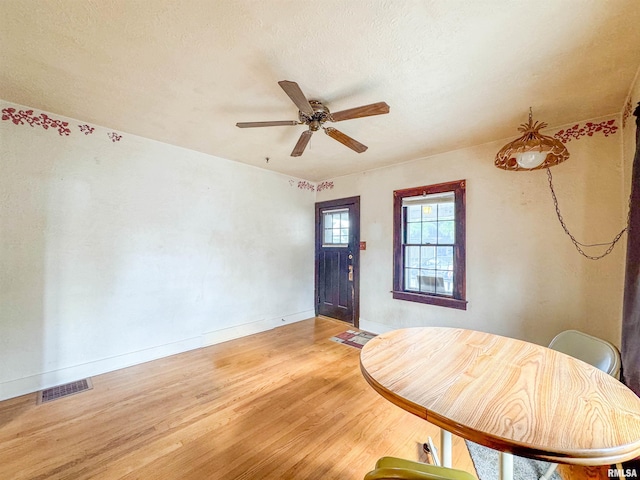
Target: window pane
(326, 220)
(428, 281)
(411, 279)
(328, 236)
(344, 220)
(429, 232)
(428, 257)
(446, 211)
(445, 269)
(443, 285)
(413, 233)
(445, 258)
(413, 213)
(412, 257)
(429, 212)
(336, 236)
(446, 232)
(336, 220)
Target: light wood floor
(283, 404)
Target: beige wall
(524, 277)
(114, 253)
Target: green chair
(391, 468)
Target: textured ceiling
(455, 73)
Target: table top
(506, 394)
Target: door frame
(354, 234)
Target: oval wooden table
(506, 394)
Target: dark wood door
(338, 259)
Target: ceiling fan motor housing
(320, 115)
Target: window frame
(458, 299)
(324, 228)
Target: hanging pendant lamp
(532, 151)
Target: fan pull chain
(578, 244)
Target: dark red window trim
(458, 299)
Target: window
(335, 226)
(429, 244)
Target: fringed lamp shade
(532, 151)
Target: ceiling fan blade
(345, 139)
(295, 94)
(359, 112)
(302, 143)
(280, 123)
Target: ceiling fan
(314, 114)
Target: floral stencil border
(22, 117)
(86, 129)
(304, 185)
(607, 127)
(325, 186)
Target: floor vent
(65, 390)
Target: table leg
(445, 446)
(506, 466)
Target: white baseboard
(375, 327)
(231, 333)
(33, 383)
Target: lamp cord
(576, 243)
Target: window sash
(426, 278)
(452, 294)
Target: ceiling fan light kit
(314, 114)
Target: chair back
(394, 468)
(592, 350)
